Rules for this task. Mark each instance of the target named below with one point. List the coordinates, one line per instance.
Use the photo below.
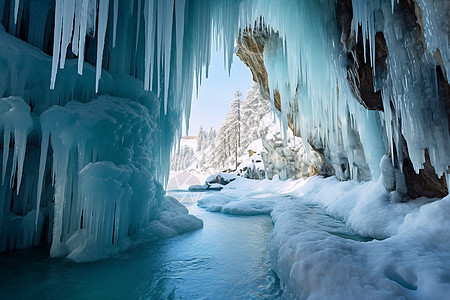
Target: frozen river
(227, 259)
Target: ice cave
(328, 178)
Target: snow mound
(229, 205)
(347, 240)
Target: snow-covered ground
(346, 240)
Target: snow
(346, 239)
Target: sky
(217, 91)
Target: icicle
(76, 30)
(6, 141)
(149, 16)
(60, 165)
(138, 24)
(159, 42)
(20, 147)
(16, 10)
(42, 164)
(116, 13)
(447, 179)
(56, 41)
(168, 15)
(67, 29)
(82, 36)
(102, 25)
(179, 33)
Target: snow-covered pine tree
(240, 128)
(253, 109)
(201, 139)
(211, 135)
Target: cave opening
(329, 176)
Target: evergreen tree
(201, 139)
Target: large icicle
(138, 24)
(149, 16)
(179, 34)
(168, 16)
(102, 25)
(16, 10)
(16, 123)
(116, 15)
(56, 41)
(67, 29)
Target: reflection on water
(227, 259)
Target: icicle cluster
(412, 108)
(16, 123)
(116, 135)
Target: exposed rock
(359, 70)
(424, 184)
(250, 49)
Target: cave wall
(366, 84)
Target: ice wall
(83, 175)
(412, 108)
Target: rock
(360, 72)
(424, 184)
(250, 49)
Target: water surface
(227, 259)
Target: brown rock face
(250, 49)
(424, 184)
(359, 70)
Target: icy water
(227, 259)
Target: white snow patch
(346, 240)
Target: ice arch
(155, 53)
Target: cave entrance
(201, 147)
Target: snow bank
(334, 239)
(229, 205)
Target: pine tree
(235, 124)
(201, 139)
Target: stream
(227, 259)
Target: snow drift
(346, 239)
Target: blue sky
(217, 91)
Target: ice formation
(149, 58)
